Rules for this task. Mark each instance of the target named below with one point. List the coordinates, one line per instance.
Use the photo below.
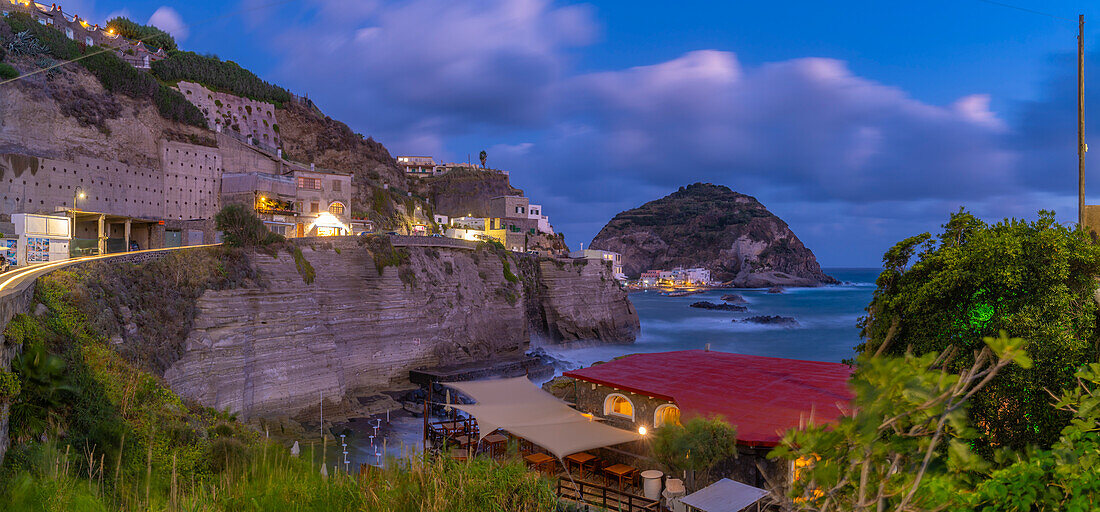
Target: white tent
(520, 408)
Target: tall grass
(271, 479)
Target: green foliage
(305, 269)
(151, 36)
(7, 72)
(242, 228)
(9, 386)
(44, 390)
(1035, 279)
(696, 445)
(906, 442)
(508, 275)
(225, 76)
(115, 75)
(22, 328)
(384, 253)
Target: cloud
(851, 163)
(439, 63)
(168, 20)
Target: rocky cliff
(355, 330)
(464, 191)
(731, 234)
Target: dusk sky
(859, 122)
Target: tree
(483, 156)
(905, 444)
(242, 228)
(151, 36)
(697, 445)
(1034, 279)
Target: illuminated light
(641, 431)
(82, 195)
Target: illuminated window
(336, 208)
(618, 405)
(309, 183)
(666, 415)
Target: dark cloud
(852, 164)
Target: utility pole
(1081, 148)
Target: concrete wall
(192, 175)
(505, 207)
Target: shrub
(383, 252)
(974, 280)
(696, 445)
(226, 76)
(9, 386)
(242, 228)
(7, 72)
(153, 37)
(21, 329)
(305, 269)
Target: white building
(534, 211)
(419, 166)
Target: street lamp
(79, 195)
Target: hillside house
(613, 258)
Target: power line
(106, 50)
(1032, 11)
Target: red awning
(761, 396)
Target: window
(666, 414)
(335, 185)
(618, 405)
(314, 207)
(309, 183)
(88, 41)
(336, 208)
(298, 206)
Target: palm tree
(483, 156)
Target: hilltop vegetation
(707, 225)
(116, 76)
(219, 75)
(152, 37)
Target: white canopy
(724, 495)
(517, 406)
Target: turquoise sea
(826, 316)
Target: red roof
(762, 396)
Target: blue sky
(860, 122)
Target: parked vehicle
(437, 235)
(391, 232)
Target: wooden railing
(609, 498)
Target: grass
(305, 269)
(384, 253)
(102, 433)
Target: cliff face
(271, 351)
(466, 191)
(731, 234)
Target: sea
(827, 319)
(827, 330)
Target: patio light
(641, 430)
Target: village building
(420, 166)
(614, 259)
(761, 396)
(134, 53)
(323, 202)
(534, 211)
(510, 215)
(650, 278)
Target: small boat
(680, 293)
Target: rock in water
(784, 321)
(705, 225)
(775, 289)
(714, 305)
(734, 298)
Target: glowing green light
(980, 314)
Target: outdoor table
(581, 459)
(450, 427)
(620, 471)
(494, 441)
(464, 440)
(538, 459)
